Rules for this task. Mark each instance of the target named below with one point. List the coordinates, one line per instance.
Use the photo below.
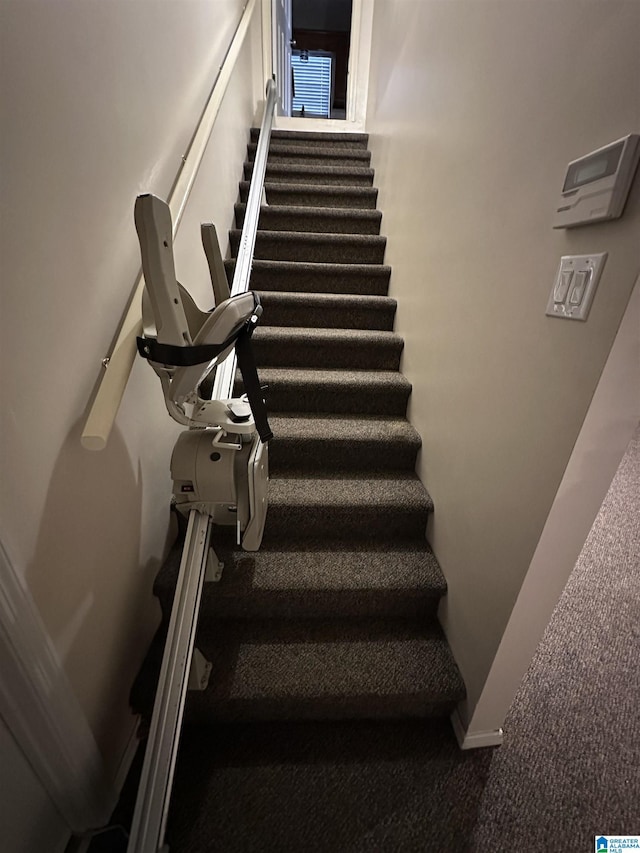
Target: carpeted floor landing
(569, 767)
(322, 787)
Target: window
(312, 84)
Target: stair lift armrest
(217, 271)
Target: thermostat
(596, 186)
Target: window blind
(312, 79)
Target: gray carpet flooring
(321, 787)
(324, 726)
(344, 540)
(569, 768)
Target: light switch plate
(575, 285)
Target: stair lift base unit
(225, 476)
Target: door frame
(358, 79)
(284, 88)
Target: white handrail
(118, 366)
(225, 373)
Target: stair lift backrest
(155, 234)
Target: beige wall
(610, 424)
(99, 101)
(475, 108)
(29, 822)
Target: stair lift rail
(198, 558)
(226, 373)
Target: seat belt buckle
(239, 412)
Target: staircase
(334, 619)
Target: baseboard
(82, 843)
(473, 740)
(127, 757)
(322, 125)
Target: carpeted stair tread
(320, 580)
(340, 220)
(371, 392)
(314, 669)
(316, 248)
(347, 506)
(339, 571)
(334, 311)
(315, 138)
(291, 276)
(351, 349)
(341, 443)
(398, 490)
(317, 155)
(316, 195)
(325, 174)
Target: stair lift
(219, 468)
(219, 464)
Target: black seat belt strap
(247, 365)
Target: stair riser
(358, 282)
(274, 219)
(317, 354)
(325, 455)
(307, 159)
(291, 397)
(319, 604)
(360, 524)
(307, 156)
(272, 247)
(316, 604)
(318, 175)
(354, 198)
(326, 140)
(351, 317)
(343, 201)
(288, 281)
(199, 710)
